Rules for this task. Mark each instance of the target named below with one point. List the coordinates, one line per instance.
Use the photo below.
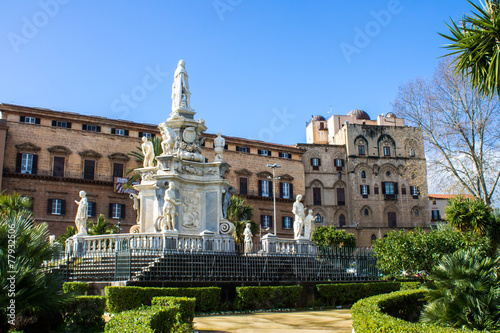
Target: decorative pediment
(264, 174)
(28, 146)
(59, 150)
(90, 153)
(119, 157)
(243, 172)
(286, 177)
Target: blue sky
(257, 69)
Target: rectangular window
(264, 152)
(375, 190)
(27, 163)
(30, 120)
(91, 209)
(117, 211)
(364, 190)
(316, 163)
(56, 206)
(391, 217)
(242, 149)
(91, 128)
(89, 169)
(285, 155)
(118, 170)
(119, 131)
(389, 187)
(287, 222)
(265, 221)
(436, 215)
(243, 186)
(63, 124)
(265, 188)
(361, 150)
(387, 151)
(317, 196)
(285, 191)
(414, 191)
(58, 169)
(148, 136)
(340, 197)
(338, 163)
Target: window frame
(361, 150)
(387, 151)
(27, 160)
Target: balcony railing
(390, 197)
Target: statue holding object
(82, 214)
(299, 211)
(180, 88)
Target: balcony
(390, 197)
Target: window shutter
(319, 161)
(54, 123)
(49, 206)
(34, 168)
(259, 151)
(110, 210)
(368, 189)
(140, 134)
(84, 127)
(98, 128)
(383, 187)
(395, 188)
(37, 121)
(122, 211)
(343, 163)
(68, 124)
(63, 207)
(282, 222)
(261, 221)
(94, 209)
(260, 187)
(270, 153)
(22, 119)
(361, 189)
(19, 159)
(281, 190)
(113, 131)
(126, 132)
(312, 164)
(271, 222)
(291, 190)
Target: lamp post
(274, 166)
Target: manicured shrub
(254, 298)
(147, 319)
(385, 313)
(125, 298)
(410, 285)
(185, 304)
(84, 314)
(349, 293)
(75, 288)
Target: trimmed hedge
(76, 288)
(371, 314)
(147, 319)
(255, 298)
(185, 304)
(410, 285)
(119, 299)
(84, 314)
(349, 293)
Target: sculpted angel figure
(81, 214)
(148, 152)
(180, 88)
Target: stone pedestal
(269, 243)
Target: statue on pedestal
(168, 139)
(226, 201)
(298, 223)
(82, 214)
(136, 199)
(219, 143)
(309, 225)
(248, 239)
(180, 88)
(148, 151)
(169, 214)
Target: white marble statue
(219, 143)
(82, 214)
(148, 152)
(309, 225)
(168, 139)
(180, 88)
(136, 205)
(299, 211)
(248, 238)
(169, 214)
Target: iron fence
(327, 264)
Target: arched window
(417, 212)
(319, 218)
(367, 212)
(374, 238)
(363, 174)
(341, 220)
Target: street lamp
(274, 166)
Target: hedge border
(146, 319)
(75, 288)
(349, 293)
(269, 297)
(84, 313)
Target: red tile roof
(449, 196)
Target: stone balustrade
(273, 244)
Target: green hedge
(410, 285)
(370, 315)
(119, 299)
(147, 319)
(254, 298)
(186, 305)
(349, 293)
(76, 288)
(84, 314)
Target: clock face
(189, 134)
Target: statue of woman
(248, 238)
(168, 221)
(180, 88)
(309, 225)
(219, 143)
(82, 214)
(298, 223)
(148, 151)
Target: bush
(385, 313)
(185, 304)
(254, 298)
(410, 285)
(328, 236)
(75, 288)
(84, 314)
(147, 319)
(349, 293)
(125, 298)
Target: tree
(465, 292)
(475, 41)
(416, 252)
(70, 231)
(102, 227)
(139, 157)
(239, 213)
(10, 203)
(329, 236)
(460, 129)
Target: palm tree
(475, 40)
(465, 292)
(240, 214)
(101, 227)
(139, 157)
(11, 203)
(465, 214)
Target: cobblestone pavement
(303, 321)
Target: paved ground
(306, 321)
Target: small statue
(82, 214)
(168, 139)
(298, 223)
(180, 88)
(226, 201)
(248, 239)
(169, 214)
(148, 151)
(136, 199)
(309, 225)
(219, 144)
